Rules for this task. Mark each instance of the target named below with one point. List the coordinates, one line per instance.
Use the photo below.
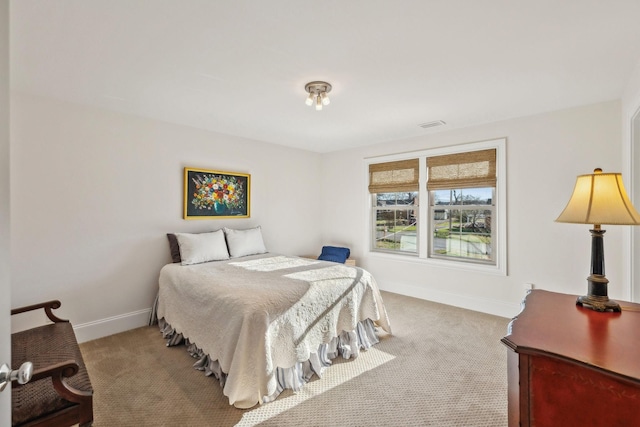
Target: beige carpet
(443, 366)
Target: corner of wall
(630, 106)
(113, 325)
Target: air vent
(432, 124)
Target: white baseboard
(124, 322)
(483, 305)
(111, 325)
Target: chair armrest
(66, 369)
(47, 306)
(57, 372)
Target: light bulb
(325, 98)
(309, 100)
(318, 103)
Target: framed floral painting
(215, 194)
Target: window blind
(392, 177)
(472, 169)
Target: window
(396, 221)
(461, 220)
(394, 188)
(461, 205)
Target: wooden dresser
(571, 366)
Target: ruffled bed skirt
(347, 345)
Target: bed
(262, 322)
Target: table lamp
(599, 198)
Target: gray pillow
(174, 247)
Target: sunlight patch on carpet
(336, 375)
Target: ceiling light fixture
(318, 94)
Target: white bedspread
(257, 313)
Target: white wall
(545, 153)
(5, 286)
(631, 97)
(94, 192)
(631, 165)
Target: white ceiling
(239, 66)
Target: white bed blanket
(255, 314)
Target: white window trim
(500, 268)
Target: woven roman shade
(472, 169)
(393, 177)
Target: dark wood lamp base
(598, 303)
(597, 298)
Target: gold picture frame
(213, 194)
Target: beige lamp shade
(600, 198)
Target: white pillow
(245, 242)
(203, 247)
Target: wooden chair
(60, 392)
